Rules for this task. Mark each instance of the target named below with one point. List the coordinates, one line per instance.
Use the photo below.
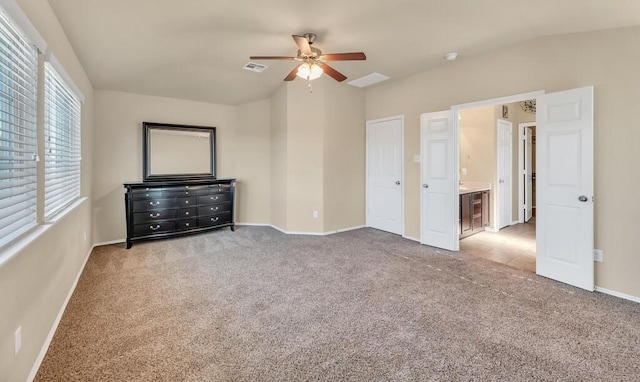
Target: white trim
(515, 222)
(110, 242)
(25, 25)
(491, 229)
(49, 57)
(309, 233)
(54, 327)
(521, 184)
(617, 294)
(508, 195)
(366, 159)
(411, 238)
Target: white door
(528, 174)
(438, 169)
(503, 196)
(384, 174)
(564, 183)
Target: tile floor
(514, 245)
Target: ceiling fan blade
(344, 56)
(271, 58)
(291, 75)
(303, 44)
(332, 72)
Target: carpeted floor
(365, 305)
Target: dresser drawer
(184, 213)
(152, 216)
(213, 220)
(186, 202)
(218, 189)
(187, 190)
(146, 194)
(186, 224)
(154, 227)
(213, 199)
(213, 209)
(153, 204)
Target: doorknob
(582, 198)
(425, 186)
(397, 182)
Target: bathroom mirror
(178, 152)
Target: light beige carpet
(258, 305)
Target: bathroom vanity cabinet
(474, 212)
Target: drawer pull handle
(212, 198)
(186, 193)
(215, 219)
(154, 228)
(186, 213)
(214, 209)
(187, 187)
(154, 203)
(187, 224)
(154, 215)
(186, 202)
(146, 194)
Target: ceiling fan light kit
(314, 62)
(309, 71)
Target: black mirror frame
(147, 127)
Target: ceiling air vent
(252, 66)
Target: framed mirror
(178, 152)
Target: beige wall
(305, 161)
(317, 158)
(550, 64)
(478, 151)
(252, 167)
(118, 149)
(278, 158)
(344, 157)
(35, 283)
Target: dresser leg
(233, 228)
(129, 243)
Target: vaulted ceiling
(195, 49)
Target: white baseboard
(617, 294)
(54, 327)
(311, 233)
(490, 229)
(411, 238)
(118, 241)
(515, 222)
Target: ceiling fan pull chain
(309, 85)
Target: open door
(564, 198)
(439, 189)
(528, 174)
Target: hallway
(514, 245)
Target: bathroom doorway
(509, 237)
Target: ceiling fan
(314, 62)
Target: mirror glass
(179, 152)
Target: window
(61, 143)
(18, 136)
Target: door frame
(509, 192)
(456, 129)
(521, 183)
(366, 171)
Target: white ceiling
(195, 49)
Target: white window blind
(18, 145)
(61, 143)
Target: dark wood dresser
(162, 209)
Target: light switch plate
(416, 158)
